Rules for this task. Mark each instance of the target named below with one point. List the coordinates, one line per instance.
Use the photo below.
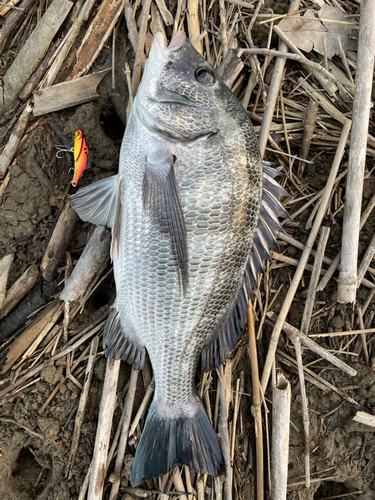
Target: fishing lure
(80, 152)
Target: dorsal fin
(218, 350)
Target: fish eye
(205, 76)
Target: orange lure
(80, 151)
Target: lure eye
(205, 76)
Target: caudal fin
(167, 443)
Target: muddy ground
(34, 446)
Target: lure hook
(62, 149)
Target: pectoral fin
(96, 203)
(161, 200)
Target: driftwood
(5, 265)
(96, 36)
(281, 397)
(58, 242)
(19, 289)
(67, 94)
(42, 324)
(357, 155)
(34, 50)
(94, 258)
(14, 139)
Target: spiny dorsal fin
(218, 350)
(161, 200)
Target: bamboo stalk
(224, 430)
(107, 408)
(256, 408)
(281, 396)
(305, 255)
(357, 154)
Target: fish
(80, 151)
(193, 213)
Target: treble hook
(62, 149)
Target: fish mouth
(171, 51)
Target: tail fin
(167, 443)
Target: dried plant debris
(328, 34)
(298, 70)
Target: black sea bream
(193, 213)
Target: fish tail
(166, 443)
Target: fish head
(179, 92)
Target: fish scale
(192, 211)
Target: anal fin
(121, 344)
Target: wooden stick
(58, 242)
(223, 29)
(305, 255)
(5, 265)
(107, 408)
(309, 304)
(149, 391)
(19, 289)
(256, 408)
(357, 154)
(15, 137)
(94, 257)
(82, 408)
(281, 396)
(129, 401)
(363, 336)
(305, 413)
(193, 23)
(274, 87)
(293, 333)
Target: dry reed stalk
(309, 304)
(367, 258)
(224, 391)
(367, 211)
(274, 87)
(305, 413)
(82, 408)
(305, 255)
(5, 265)
(357, 154)
(142, 408)
(363, 336)
(308, 130)
(293, 333)
(128, 407)
(140, 52)
(364, 418)
(281, 396)
(256, 408)
(107, 408)
(19, 289)
(14, 140)
(193, 23)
